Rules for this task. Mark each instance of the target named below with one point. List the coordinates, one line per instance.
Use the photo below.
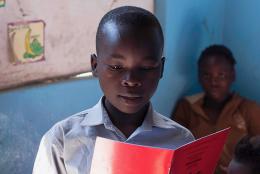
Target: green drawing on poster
(27, 41)
(2, 3)
(32, 49)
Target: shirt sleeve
(49, 158)
(253, 116)
(181, 113)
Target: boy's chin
(130, 110)
(127, 107)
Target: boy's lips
(131, 99)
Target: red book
(197, 157)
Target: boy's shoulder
(76, 123)
(88, 117)
(74, 120)
(167, 123)
(61, 128)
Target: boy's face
(216, 75)
(128, 65)
(238, 168)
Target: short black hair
(247, 151)
(130, 16)
(217, 50)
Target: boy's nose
(131, 79)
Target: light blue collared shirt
(67, 148)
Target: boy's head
(129, 63)
(216, 67)
(246, 159)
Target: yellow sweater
(241, 114)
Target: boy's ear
(162, 69)
(94, 64)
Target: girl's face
(216, 76)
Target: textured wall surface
(69, 36)
(242, 34)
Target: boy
(129, 65)
(246, 159)
(218, 107)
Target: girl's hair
(217, 50)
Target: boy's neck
(126, 123)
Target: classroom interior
(188, 26)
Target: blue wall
(30, 112)
(242, 35)
(189, 26)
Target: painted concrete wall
(68, 39)
(27, 113)
(242, 34)
(189, 26)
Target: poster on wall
(26, 41)
(2, 3)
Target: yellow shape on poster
(27, 41)
(2, 3)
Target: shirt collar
(197, 100)
(98, 115)
(94, 115)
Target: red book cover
(197, 157)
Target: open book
(197, 157)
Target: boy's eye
(148, 68)
(115, 67)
